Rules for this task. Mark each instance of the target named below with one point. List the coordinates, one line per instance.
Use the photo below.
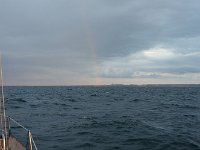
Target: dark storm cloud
(66, 36)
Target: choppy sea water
(107, 117)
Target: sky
(98, 42)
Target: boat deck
(1, 144)
(13, 144)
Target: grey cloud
(78, 36)
(133, 26)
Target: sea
(113, 117)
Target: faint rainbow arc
(92, 47)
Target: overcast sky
(75, 42)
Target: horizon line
(152, 84)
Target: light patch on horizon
(155, 64)
(159, 53)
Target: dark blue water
(108, 117)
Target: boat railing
(31, 143)
(4, 142)
(8, 141)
